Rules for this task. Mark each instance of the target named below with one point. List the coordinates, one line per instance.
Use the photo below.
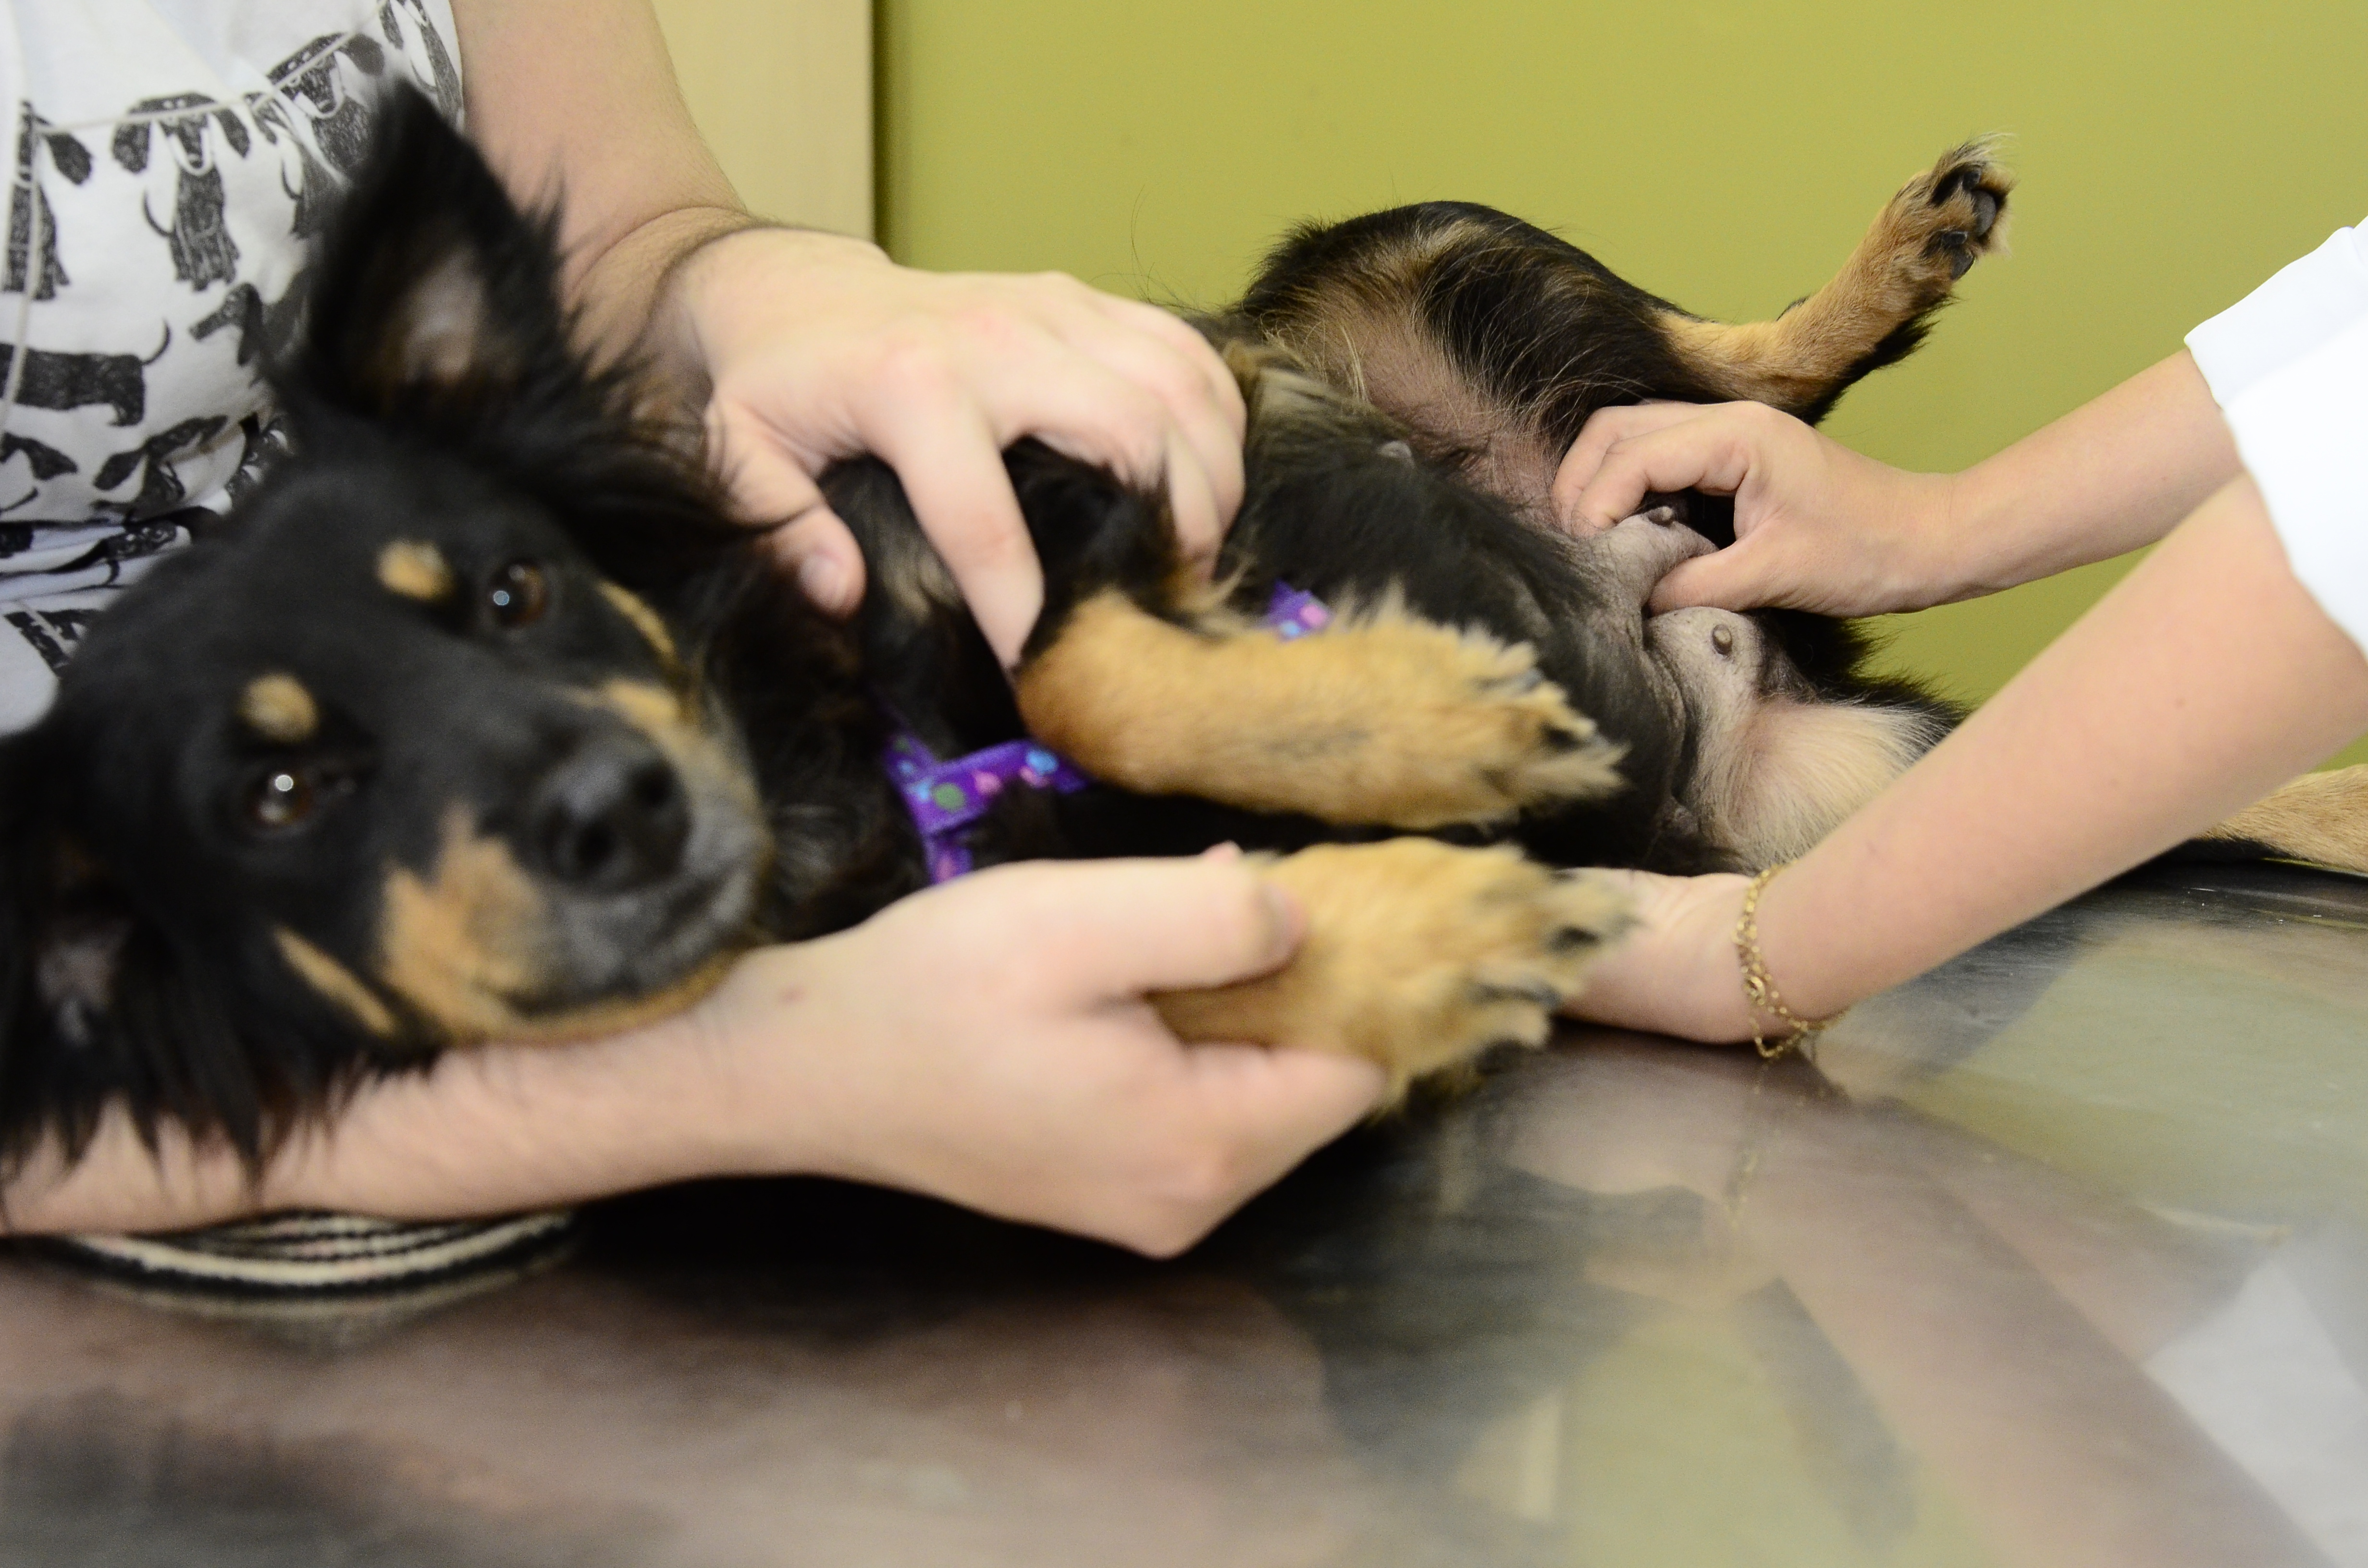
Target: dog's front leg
(1418, 956)
(1384, 720)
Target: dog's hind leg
(1418, 956)
(1877, 309)
(1495, 340)
(2320, 817)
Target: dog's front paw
(1949, 217)
(1418, 956)
(1438, 726)
(1386, 720)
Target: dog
(478, 719)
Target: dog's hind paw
(1418, 956)
(1946, 218)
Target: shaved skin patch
(645, 622)
(278, 707)
(416, 570)
(336, 983)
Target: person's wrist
(1933, 557)
(737, 1070)
(1974, 540)
(708, 282)
(1803, 977)
(723, 260)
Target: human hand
(987, 1043)
(817, 347)
(1817, 527)
(1675, 972)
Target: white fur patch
(74, 973)
(1806, 766)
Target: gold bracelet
(1759, 993)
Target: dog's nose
(612, 817)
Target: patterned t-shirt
(172, 161)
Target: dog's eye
(518, 594)
(289, 795)
(281, 799)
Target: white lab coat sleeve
(2307, 304)
(2302, 430)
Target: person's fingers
(819, 551)
(1224, 393)
(1193, 506)
(1124, 927)
(1249, 1115)
(1735, 578)
(952, 466)
(1697, 454)
(1188, 388)
(1082, 408)
(1291, 1098)
(767, 486)
(1606, 429)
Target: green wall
(1726, 154)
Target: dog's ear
(98, 1005)
(432, 288)
(59, 957)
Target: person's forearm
(2207, 678)
(485, 1131)
(2111, 475)
(576, 99)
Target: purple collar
(945, 798)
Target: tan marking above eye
(645, 622)
(335, 981)
(414, 569)
(278, 707)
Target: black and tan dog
(478, 720)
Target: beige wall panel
(782, 91)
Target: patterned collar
(945, 798)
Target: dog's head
(392, 763)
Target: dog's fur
(478, 720)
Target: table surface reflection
(2062, 1258)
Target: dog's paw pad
(1951, 216)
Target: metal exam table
(2062, 1259)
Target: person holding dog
(2225, 662)
(986, 1043)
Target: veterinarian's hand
(987, 1043)
(1817, 527)
(817, 348)
(1676, 972)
